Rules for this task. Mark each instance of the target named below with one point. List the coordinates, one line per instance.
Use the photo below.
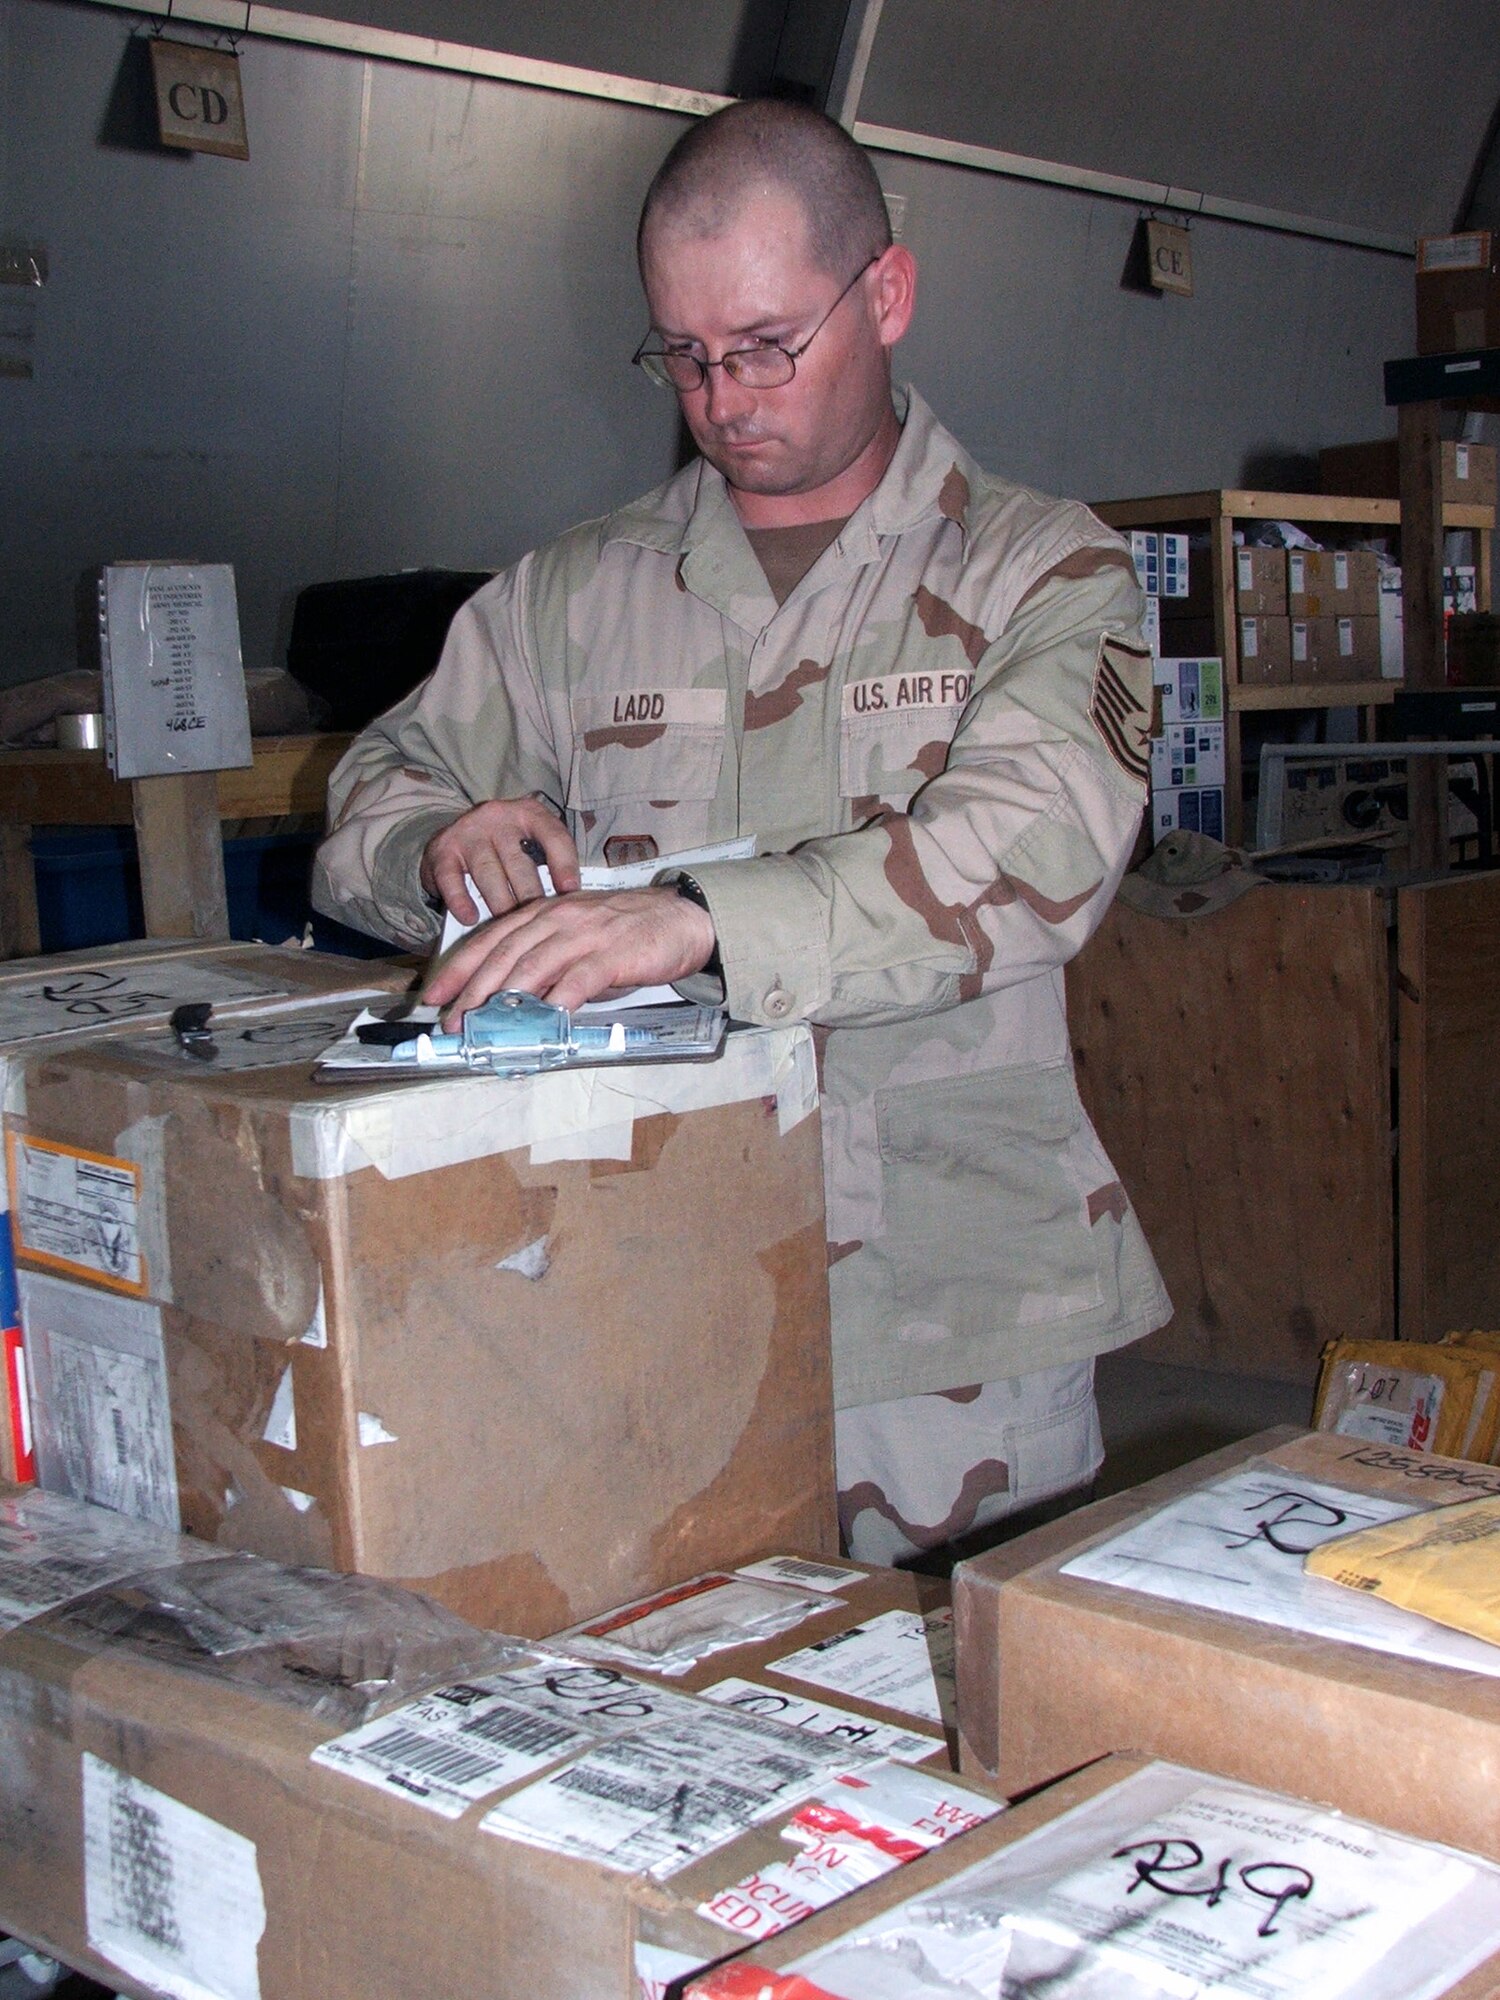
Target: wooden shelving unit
(1220, 509)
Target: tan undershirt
(787, 554)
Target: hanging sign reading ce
(1169, 258)
(199, 107)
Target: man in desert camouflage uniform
(925, 692)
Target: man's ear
(893, 293)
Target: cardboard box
(1257, 579)
(1392, 626)
(886, 1633)
(1332, 583)
(1373, 471)
(1194, 808)
(490, 1338)
(1187, 753)
(66, 998)
(1265, 651)
(1458, 292)
(1335, 649)
(1260, 582)
(1192, 690)
(1145, 553)
(1096, 1837)
(162, 1816)
(1054, 1669)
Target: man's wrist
(690, 892)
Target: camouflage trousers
(920, 1471)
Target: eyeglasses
(766, 367)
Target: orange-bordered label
(76, 1211)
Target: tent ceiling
(1365, 111)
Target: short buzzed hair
(771, 142)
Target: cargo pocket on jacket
(985, 1226)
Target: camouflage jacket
(941, 741)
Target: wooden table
(178, 822)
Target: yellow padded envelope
(1444, 1564)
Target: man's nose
(724, 399)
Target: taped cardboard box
(487, 1337)
(1146, 1879)
(72, 997)
(1332, 583)
(1331, 649)
(874, 1669)
(271, 1782)
(1373, 471)
(1257, 577)
(1458, 292)
(1056, 1666)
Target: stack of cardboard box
(72, 998)
(488, 1337)
(228, 1778)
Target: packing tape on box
(586, 1114)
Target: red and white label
(18, 1403)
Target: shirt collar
(929, 475)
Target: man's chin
(753, 470)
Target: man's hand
(569, 949)
(489, 844)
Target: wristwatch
(689, 891)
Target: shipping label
(676, 1628)
(452, 1746)
(652, 1802)
(172, 1897)
(860, 1826)
(92, 997)
(901, 1660)
(1170, 1885)
(18, 1404)
(802, 1572)
(78, 1212)
(1237, 1546)
(53, 1549)
(842, 1725)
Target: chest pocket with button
(646, 743)
(895, 730)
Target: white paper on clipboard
(633, 875)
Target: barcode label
(800, 1569)
(654, 1802)
(452, 1747)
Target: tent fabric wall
(399, 334)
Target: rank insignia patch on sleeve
(1121, 704)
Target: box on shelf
(1151, 625)
(68, 998)
(1139, 1876)
(1335, 649)
(487, 1337)
(1260, 582)
(1191, 690)
(1193, 808)
(1187, 753)
(1113, 1626)
(1458, 292)
(1460, 589)
(227, 1777)
(1373, 471)
(1145, 553)
(1161, 562)
(1265, 651)
(1392, 626)
(1332, 583)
